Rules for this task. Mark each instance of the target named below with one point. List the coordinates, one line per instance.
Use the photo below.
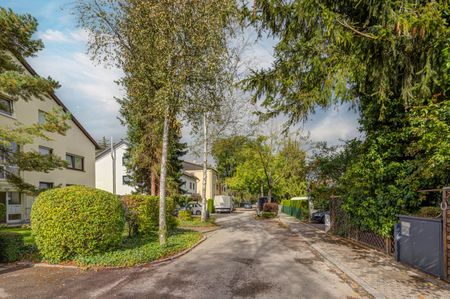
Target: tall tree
(391, 59)
(161, 52)
(16, 43)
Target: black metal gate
(418, 242)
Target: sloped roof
(108, 149)
(193, 166)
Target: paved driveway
(245, 258)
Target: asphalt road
(246, 258)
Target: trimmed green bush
(2, 210)
(142, 214)
(11, 245)
(76, 220)
(297, 208)
(210, 205)
(185, 215)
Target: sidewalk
(378, 274)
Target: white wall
(104, 174)
(190, 184)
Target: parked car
(223, 203)
(194, 207)
(247, 206)
(319, 216)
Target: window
(44, 151)
(125, 160)
(6, 106)
(13, 198)
(41, 117)
(75, 162)
(45, 185)
(126, 179)
(12, 217)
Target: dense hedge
(142, 214)
(210, 205)
(297, 208)
(2, 211)
(76, 220)
(11, 245)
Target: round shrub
(76, 220)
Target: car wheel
(197, 213)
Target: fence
(296, 208)
(340, 225)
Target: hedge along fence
(296, 208)
(210, 205)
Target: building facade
(189, 184)
(76, 146)
(213, 186)
(110, 170)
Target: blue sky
(88, 90)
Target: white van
(223, 203)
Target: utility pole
(113, 158)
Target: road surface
(245, 258)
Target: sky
(89, 90)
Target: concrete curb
(156, 262)
(341, 267)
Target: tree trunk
(205, 168)
(262, 190)
(269, 187)
(162, 182)
(153, 182)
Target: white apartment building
(111, 171)
(77, 147)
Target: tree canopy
(17, 43)
(391, 60)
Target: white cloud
(57, 36)
(80, 35)
(86, 89)
(333, 125)
(51, 35)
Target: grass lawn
(196, 222)
(25, 232)
(135, 251)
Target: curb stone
(156, 262)
(344, 269)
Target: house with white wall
(77, 147)
(189, 184)
(111, 173)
